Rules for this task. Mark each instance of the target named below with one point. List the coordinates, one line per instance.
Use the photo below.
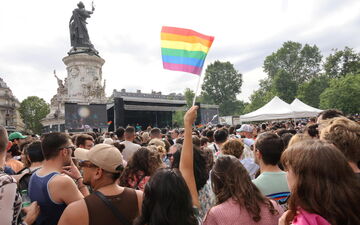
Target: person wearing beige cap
(109, 203)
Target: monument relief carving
(74, 72)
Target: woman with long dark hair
(140, 168)
(324, 189)
(238, 200)
(170, 196)
(201, 173)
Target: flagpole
(197, 89)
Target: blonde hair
(344, 134)
(233, 147)
(145, 136)
(297, 138)
(159, 144)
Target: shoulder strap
(136, 187)
(216, 149)
(114, 210)
(22, 170)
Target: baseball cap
(245, 128)
(105, 156)
(16, 135)
(108, 141)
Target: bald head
(3, 139)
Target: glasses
(169, 155)
(68, 148)
(87, 164)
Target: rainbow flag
(183, 49)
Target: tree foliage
(309, 92)
(342, 62)
(284, 87)
(258, 99)
(294, 71)
(300, 63)
(221, 85)
(178, 118)
(189, 97)
(236, 107)
(32, 110)
(287, 68)
(343, 93)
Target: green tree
(261, 96)
(287, 68)
(343, 93)
(178, 118)
(301, 63)
(221, 85)
(284, 87)
(239, 107)
(32, 110)
(236, 107)
(189, 97)
(309, 92)
(342, 62)
(258, 99)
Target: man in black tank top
(110, 203)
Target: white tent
(274, 110)
(277, 109)
(300, 109)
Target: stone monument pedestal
(84, 80)
(82, 85)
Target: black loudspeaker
(110, 116)
(119, 114)
(198, 118)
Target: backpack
(23, 179)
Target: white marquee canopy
(278, 109)
(300, 109)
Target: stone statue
(79, 35)
(60, 82)
(61, 87)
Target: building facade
(9, 105)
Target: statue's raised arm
(60, 82)
(92, 6)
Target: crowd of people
(301, 173)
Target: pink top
(136, 183)
(305, 218)
(230, 213)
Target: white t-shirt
(129, 150)
(214, 147)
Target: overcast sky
(34, 37)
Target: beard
(67, 162)
(86, 182)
